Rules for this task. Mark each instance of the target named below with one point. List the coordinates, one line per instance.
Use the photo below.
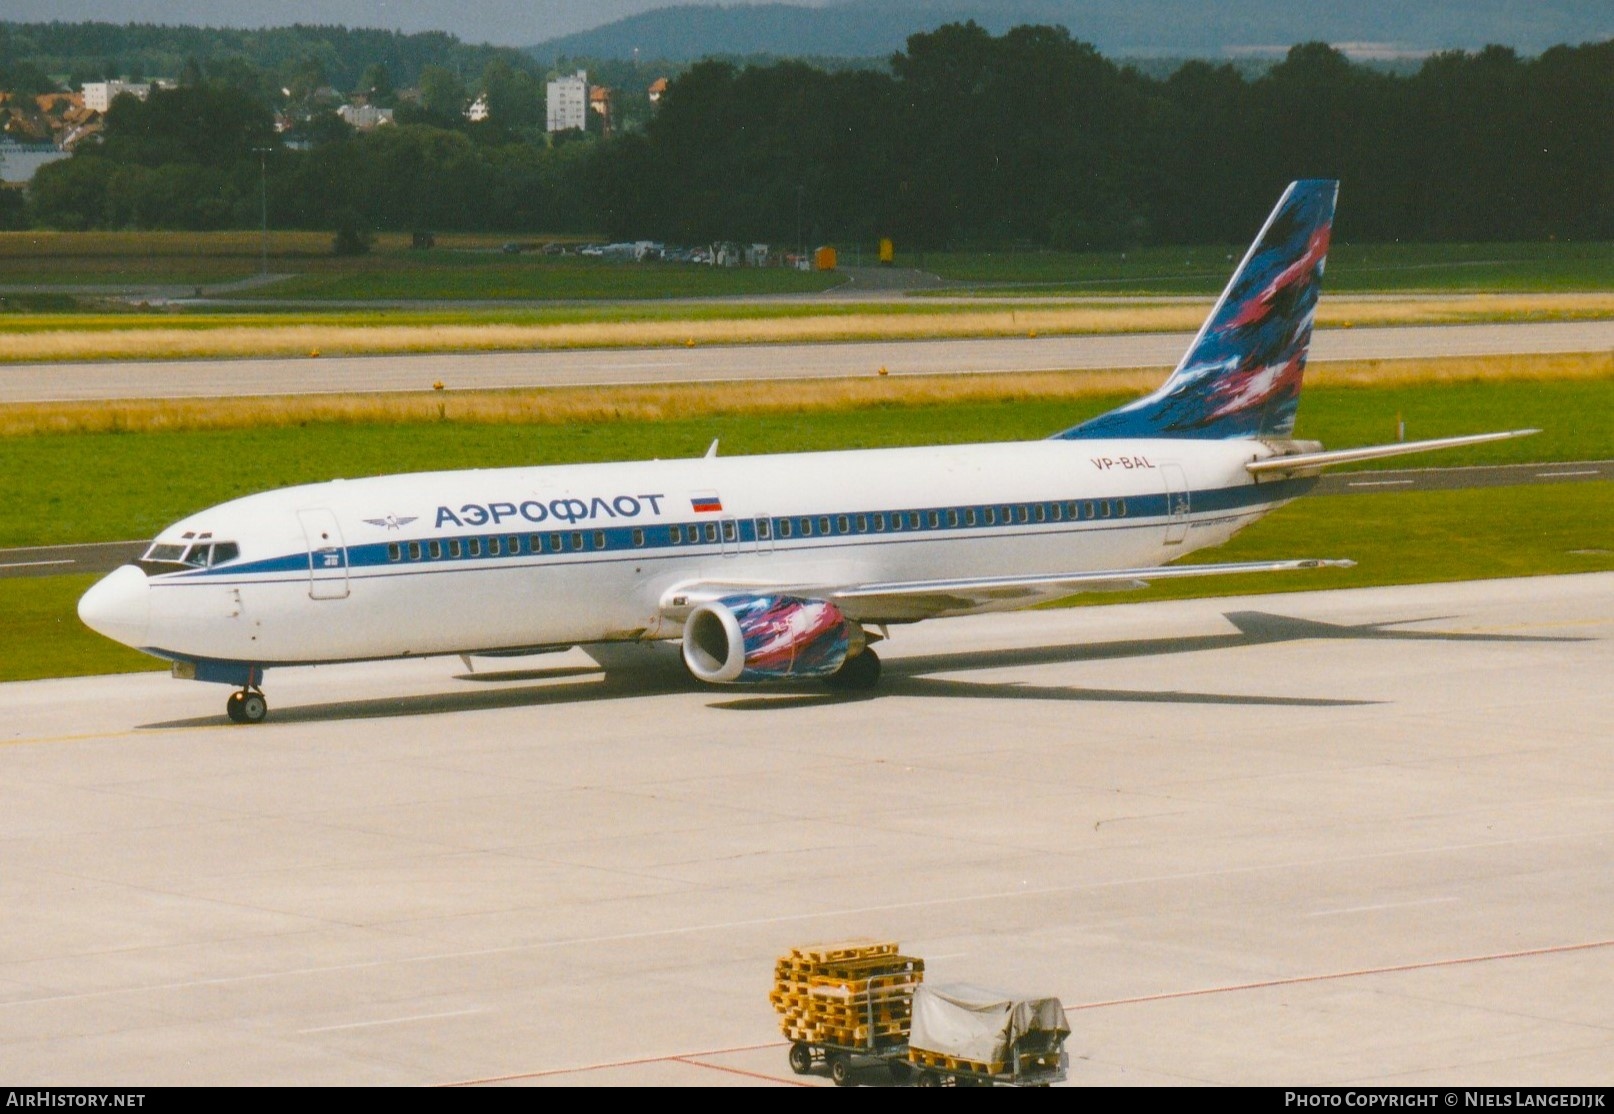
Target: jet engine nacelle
(763, 638)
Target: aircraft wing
(905, 601)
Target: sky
(502, 22)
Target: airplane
(762, 567)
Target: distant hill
(1202, 28)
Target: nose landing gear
(246, 706)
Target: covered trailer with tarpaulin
(963, 1035)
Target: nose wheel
(246, 706)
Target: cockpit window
(165, 557)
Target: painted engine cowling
(764, 638)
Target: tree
(442, 93)
(515, 99)
(375, 85)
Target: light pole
(263, 199)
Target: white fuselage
(502, 559)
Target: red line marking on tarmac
(1556, 949)
(677, 1058)
(688, 1058)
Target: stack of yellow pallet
(857, 994)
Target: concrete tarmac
(1329, 838)
(604, 367)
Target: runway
(1338, 838)
(604, 367)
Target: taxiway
(1336, 838)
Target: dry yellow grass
(144, 340)
(561, 406)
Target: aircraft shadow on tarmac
(661, 673)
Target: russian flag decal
(708, 503)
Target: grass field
(460, 267)
(58, 488)
(470, 266)
(161, 335)
(1352, 268)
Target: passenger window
(863, 524)
(513, 544)
(414, 551)
(784, 527)
(764, 528)
(1087, 509)
(556, 543)
(843, 524)
(495, 547)
(393, 552)
(1041, 513)
(896, 520)
(806, 527)
(599, 539)
(729, 532)
(952, 518)
(577, 539)
(823, 526)
(991, 516)
(935, 520)
(913, 520)
(1058, 511)
(969, 516)
(473, 547)
(454, 547)
(437, 550)
(1120, 508)
(711, 531)
(638, 536)
(676, 533)
(1104, 508)
(535, 543)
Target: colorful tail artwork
(1241, 376)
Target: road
(596, 367)
(1353, 839)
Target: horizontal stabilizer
(1311, 462)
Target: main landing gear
(247, 706)
(858, 674)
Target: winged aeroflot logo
(392, 521)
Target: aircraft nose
(118, 606)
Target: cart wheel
(801, 1058)
(840, 1070)
(900, 1071)
(928, 1079)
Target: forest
(964, 140)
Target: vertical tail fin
(1241, 376)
